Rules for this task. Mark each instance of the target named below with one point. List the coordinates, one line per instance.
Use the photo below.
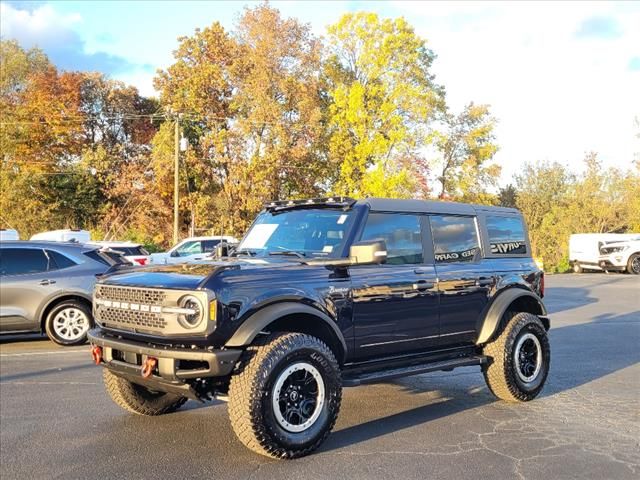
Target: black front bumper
(174, 367)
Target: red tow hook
(148, 366)
(96, 353)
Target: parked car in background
(8, 234)
(66, 235)
(48, 286)
(621, 256)
(585, 249)
(132, 252)
(191, 249)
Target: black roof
(431, 206)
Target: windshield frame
(356, 212)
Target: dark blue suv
(322, 294)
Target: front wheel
(519, 359)
(68, 323)
(285, 399)
(135, 398)
(633, 265)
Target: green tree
(542, 195)
(557, 204)
(382, 98)
(508, 197)
(467, 146)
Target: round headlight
(190, 320)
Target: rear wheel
(633, 265)
(577, 268)
(285, 399)
(68, 323)
(519, 359)
(135, 398)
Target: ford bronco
(323, 294)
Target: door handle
(47, 282)
(422, 285)
(422, 271)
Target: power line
(193, 116)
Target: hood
(187, 276)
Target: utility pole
(176, 183)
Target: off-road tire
(137, 399)
(630, 266)
(67, 304)
(500, 373)
(251, 389)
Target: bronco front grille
(149, 310)
(130, 307)
(131, 294)
(127, 318)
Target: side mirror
(368, 252)
(175, 253)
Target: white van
(67, 235)
(8, 234)
(584, 248)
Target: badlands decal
(455, 256)
(508, 247)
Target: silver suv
(47, 287)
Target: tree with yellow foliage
(383, 97)
(467, 145)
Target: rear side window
(20, 261)
(506, 235)
(455, 239)
(93, 255)
(107, 258)
(131, 251)
(59, 260)
(401, 233)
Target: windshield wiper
(292, 253)
(244, 251)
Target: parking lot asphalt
(56, 420)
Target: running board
(383, 375)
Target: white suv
(621, 256)
(191, 250)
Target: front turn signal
(213, 307)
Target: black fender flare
(500, 306)
(257, 322)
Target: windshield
(306, 232)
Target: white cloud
(43, 25)
(555, 95)
(57, 35)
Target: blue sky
(562, 78)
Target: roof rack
(343, 202)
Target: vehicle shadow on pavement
(567, 344)
(23, 337)
(382, 426)
(598, 349)
(41, 373)
(560, 299)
